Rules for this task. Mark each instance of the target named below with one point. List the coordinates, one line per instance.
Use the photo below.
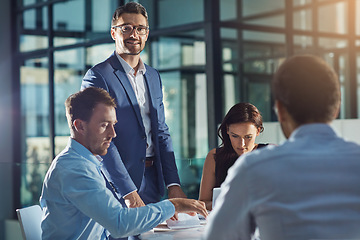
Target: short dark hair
(130, 7)
(80, 105)
(308, 88)
(239, 113)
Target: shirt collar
(84, 152)
(316, 130)
(128, 69)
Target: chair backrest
(30, 222)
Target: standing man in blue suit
(140, 159)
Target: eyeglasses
(127, 29)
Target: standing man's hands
(176, 192)
(133, 200)
(189, 206)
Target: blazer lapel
(151, 88)
(125, 82)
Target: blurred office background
(211, 54)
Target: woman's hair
(239, 113)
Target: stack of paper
(184, 221)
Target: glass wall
(263, 33)
(34, 122)
(54, 53)
(68, 72)
(33, 25)
(58, 41)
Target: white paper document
(184, 221)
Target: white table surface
(163, 232)
(184, 234)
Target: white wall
(346, 128)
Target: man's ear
(79, 125)
(281, 111)
(147, 35)
(112, 33)
(287, 123)
(337, 111)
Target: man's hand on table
(189, 206)
(175, 192)
(133, 200)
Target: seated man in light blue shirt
(305, 188)
(74, 198)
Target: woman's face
(242, 136)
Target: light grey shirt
(306, 188)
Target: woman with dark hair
(238, 131)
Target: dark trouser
(148, 192)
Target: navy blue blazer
(125, 160)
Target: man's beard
(133, 54)
(129, 52)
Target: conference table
(177, 234)
(188, 234)
(163, 232)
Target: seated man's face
(99, 131)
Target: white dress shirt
(139, 86)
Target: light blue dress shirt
(77, 204)
(306, 188)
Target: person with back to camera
(238, 131)
(308, 186)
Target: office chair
(30, 222)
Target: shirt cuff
(167, 209)
(128, 194)
(172, 184)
